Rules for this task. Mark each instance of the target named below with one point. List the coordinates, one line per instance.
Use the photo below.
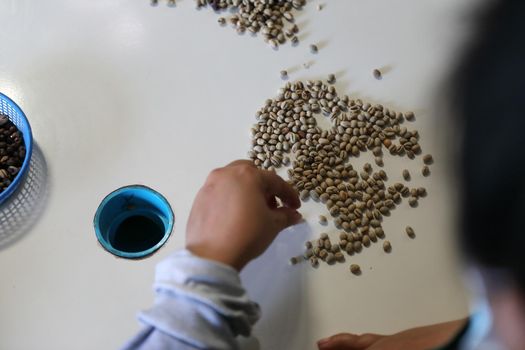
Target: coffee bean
(355, 269)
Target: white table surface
(119, 92)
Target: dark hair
(490, 100)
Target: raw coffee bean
(269, 18)
(294, 260)
(308, 254)
(406, 175)
(221, 21)
(324, 236)
(412, 201)
(304, 195)
(330, 258)
(355, 269)
(287, 129)
(410, 232)
(284, 74)
(323, 220)
(308, 245)
(427, 159)
(372, 235)
(379, 161)
(339, 257)
(425, 171)
(421, 192)
(313, 48)
(331, 79)
(377, 74)
(387, 247)
(410, 116)
(314, 261)
(314, 195)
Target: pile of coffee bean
(272, 18)
(357, 200)
(12, 152)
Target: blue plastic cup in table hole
(133, 222)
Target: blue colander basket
(15, 114)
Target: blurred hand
(421, 338)
(235, 216)
(347, 341)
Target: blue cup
(133, 222)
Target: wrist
(218, 255)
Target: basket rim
(29, 150)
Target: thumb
(347, 341)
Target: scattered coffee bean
(427, 159)
(323, 220)
(221, 21)
(273, 19)
(357, 200)
(409, 116)
(355, 269)
(284, 74)
(294, 260)
(377, 74)
(425, 171)
(412, 201)
(331, 79)
(406, 175)
(410, 232)
(313, 48)
(387, 247)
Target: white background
(119, 92)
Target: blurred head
(490, 99)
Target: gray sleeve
(199, 304)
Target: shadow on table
(281, 290)
(20, 212)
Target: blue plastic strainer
(15, 114)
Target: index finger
(275, 185)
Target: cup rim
(132, 255)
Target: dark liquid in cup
(136, 234)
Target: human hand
(347, 341)
(235, 216)
(420, 338)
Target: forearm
(423, 338)
(199, 304)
